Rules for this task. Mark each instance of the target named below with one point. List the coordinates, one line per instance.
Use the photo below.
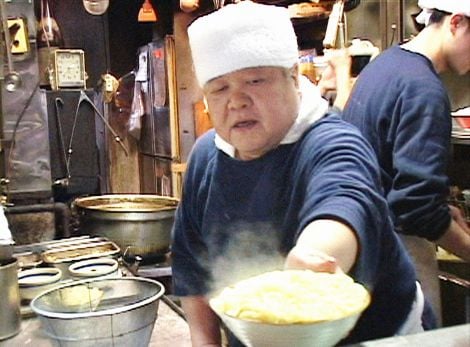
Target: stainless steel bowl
(100, 312)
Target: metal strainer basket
(100, 312)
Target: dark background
(110, 41)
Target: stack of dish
(33, 282)
(461, 124)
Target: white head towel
(240, 36)
(450, 6)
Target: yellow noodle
(292, 296)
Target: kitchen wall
(110, 42)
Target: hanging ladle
(12, 79)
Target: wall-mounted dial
(69, 69)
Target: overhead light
(147, 13)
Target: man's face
(253, 108)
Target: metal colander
(100, 312)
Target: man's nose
(239, 99)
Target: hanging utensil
(109, 87)
(335, 25)
(85, 98)
(147, 13)
(64, 182)
(12, 79)
(68, 154)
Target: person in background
(401, 106)
(280, 183)
(336, 80)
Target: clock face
(70, 69)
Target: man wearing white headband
(448, 6)
(279, 183)
(401, 105)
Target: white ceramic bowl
(322, 334)
(298, 308)
(94, 268)
(33, 282)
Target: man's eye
(218, 89)
(255, 81)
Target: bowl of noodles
(291, 308)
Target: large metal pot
(10, 318)
(139, 224)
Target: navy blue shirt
(401, 106)
(237, 218)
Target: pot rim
(105, 202)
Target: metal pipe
(60, 210)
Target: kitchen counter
(172, 331)
(455, 336)
(169, 330)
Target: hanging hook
(59, 103)
(84, 97)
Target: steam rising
(252, 250)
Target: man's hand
(324, 245)
(303, 258)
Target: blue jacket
(401, 106)
(238, 218)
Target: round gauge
(69, 68)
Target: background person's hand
(337, 76)
(459, 218)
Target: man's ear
(456, 21)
